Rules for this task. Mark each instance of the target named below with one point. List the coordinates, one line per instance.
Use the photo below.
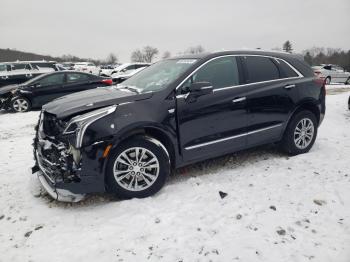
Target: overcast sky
(90, 28)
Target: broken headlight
(79, 124)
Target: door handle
(289, 86)
(239, 99)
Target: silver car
(332, 74)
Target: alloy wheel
(20, 105)
(136, 169)
(304, 133)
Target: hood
(9, 88)
(91, 99)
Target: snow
(188, 220)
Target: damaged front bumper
(49, 185)
(67, 173)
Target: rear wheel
(328, 80)
(300, 134)
(138, 168)
(20, 104)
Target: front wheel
(347, 82)
(20, 104)
(138, 168)
(328, 80)
(300, 134)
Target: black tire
(153, 146)
(15, 104)
(347, 82)
(288, 143)
(327, 81)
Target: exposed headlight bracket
(80, 123)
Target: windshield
(31, 81)
(159, 75)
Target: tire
(347, 82)
(328, 80)
(291, 142)
(20, 104)
(136, 180)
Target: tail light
(107, 82)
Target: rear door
(215, 123)
(77, 82)
(272, 86)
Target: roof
(237, 52)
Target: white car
(106, 70)
(128, 67)
(332, 74)
(124, 74)
(87, 67)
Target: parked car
(68, 65)
(122, 76)
(106, 70)
(44, 88)
(126, 139)
(19, 72)
(332, 74)
(128, 67)
(87, 67)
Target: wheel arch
(150, 131)
(309, 105)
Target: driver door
(213, 124)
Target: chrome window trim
(300, 75)
(232, 137)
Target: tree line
(313, 56)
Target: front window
(56, 79)
(159, 75)
(220, 72)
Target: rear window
(287, 71)
(261, 69)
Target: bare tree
(166, 55)
(111, 59)
(149, 53)
(137, 56)
(287, 46)
(195, 50)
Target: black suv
(126, 139)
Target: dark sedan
(45, 88)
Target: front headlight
(79, 124)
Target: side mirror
(199, 89)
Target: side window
(3, 67)
(76, 77)
(286, 69)
(18, 66)
(56, 79)
(221, 72)
(261, 69)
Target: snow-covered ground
(277, 208)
